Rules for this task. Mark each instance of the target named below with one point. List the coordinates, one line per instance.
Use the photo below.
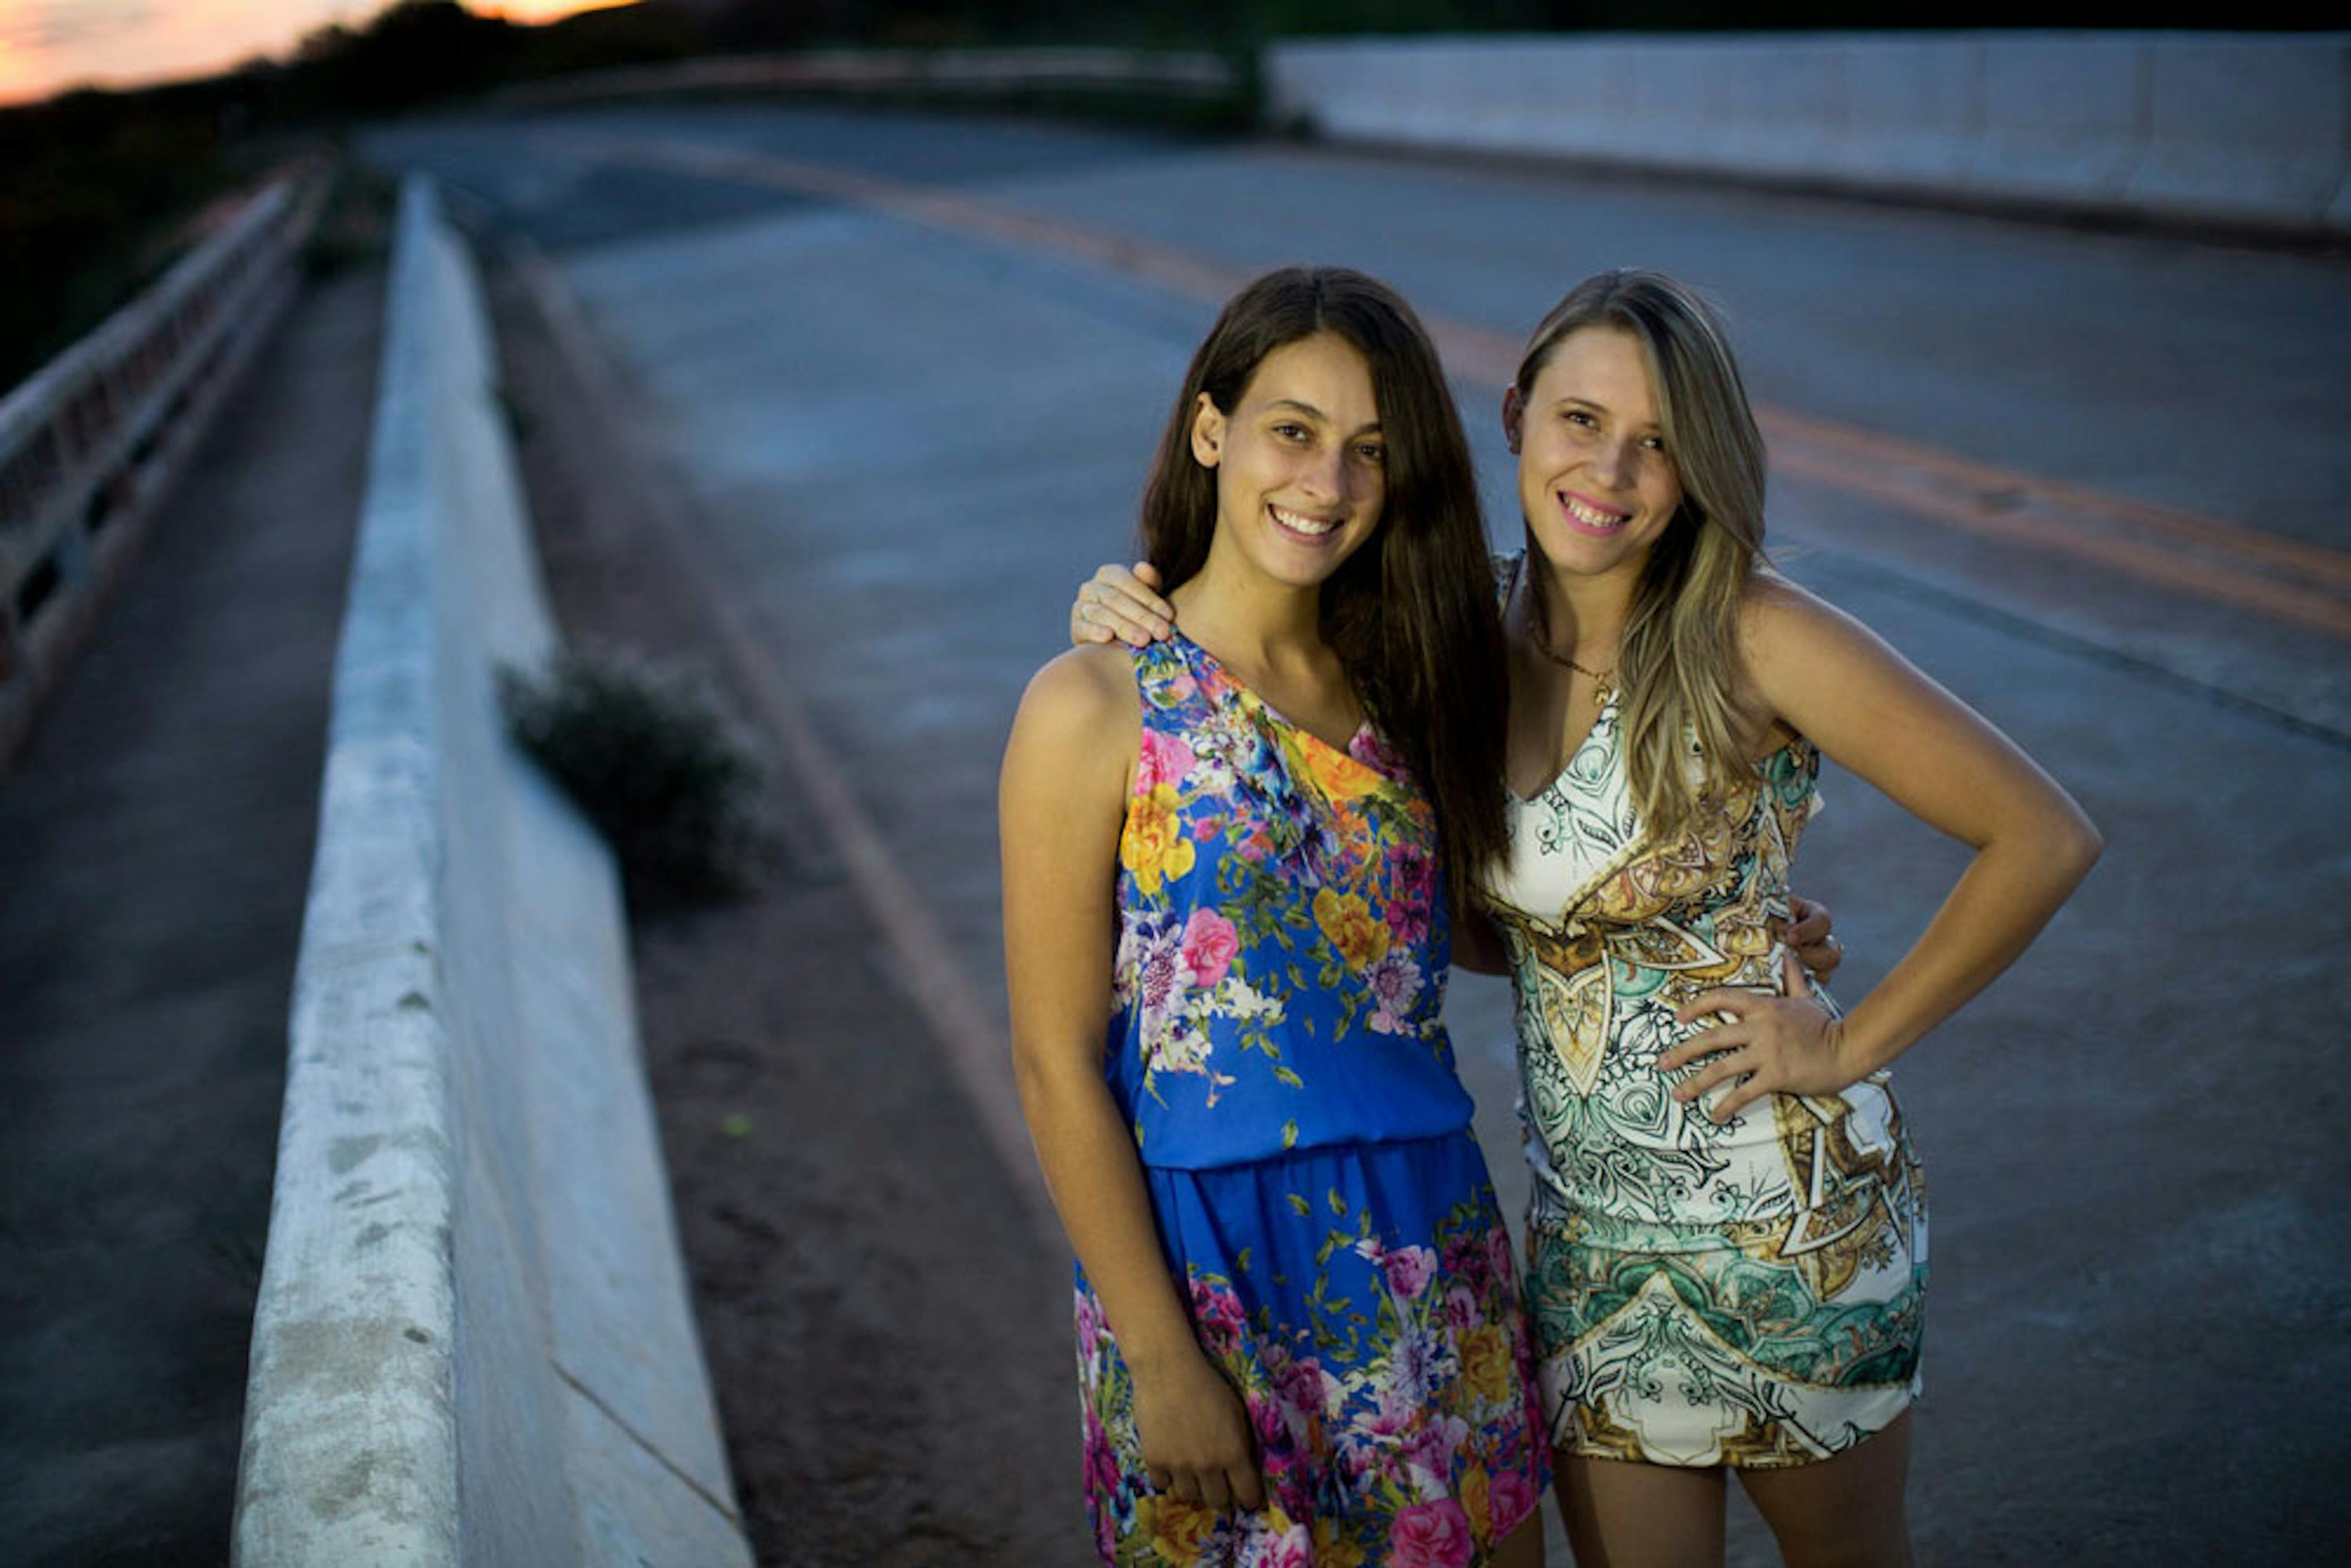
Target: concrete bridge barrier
(2252, 131)
(473, 1342)
(2242, 125)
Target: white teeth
(1296, 524)
(1598, 519)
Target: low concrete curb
(2252, 131)
(473, 1342)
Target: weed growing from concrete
(652, 755)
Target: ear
(1207, 433)
(1514, 413)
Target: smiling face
(1595, 481)
(1300, 462)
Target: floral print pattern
(1388, 1381)
(1278, 899)
(1276, 1044)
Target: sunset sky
(46, 45)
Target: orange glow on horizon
(17, 75)
(537, 11)
(49, 46)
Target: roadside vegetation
(653, 755)
(100, 192)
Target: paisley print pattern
(1276, 1049)
(1747, 1292)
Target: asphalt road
(908, 370)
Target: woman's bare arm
(1828, 677)
(1061, 803)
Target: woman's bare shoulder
(1778, 616)
(1784, 630)
(1080, 695)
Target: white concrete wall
(2235, 127)
(473, 1342)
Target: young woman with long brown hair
(1727, 1242)
(1226, 862)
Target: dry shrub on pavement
(651, 753)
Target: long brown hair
(1677, 662)
(1411, 614)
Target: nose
(1612, 463)
(1326, 478)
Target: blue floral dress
(1276, 1048)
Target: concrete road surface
(908, 370)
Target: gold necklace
(1602, 679)
(1599, 678)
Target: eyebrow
(1308, 409)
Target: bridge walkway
(155, 841)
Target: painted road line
(923, 962)
(2307, 584)
(938, 208)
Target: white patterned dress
(1746, 1294)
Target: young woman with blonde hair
(1727, 1242)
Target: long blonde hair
(1677, 662)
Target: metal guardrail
(93, 440)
